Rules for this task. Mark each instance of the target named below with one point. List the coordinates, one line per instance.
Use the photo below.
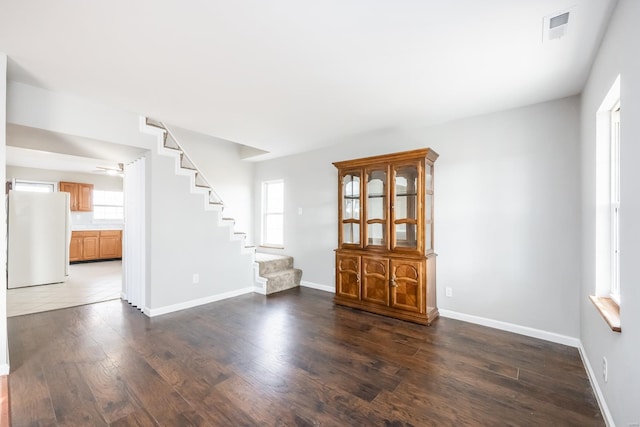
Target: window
(615, 203)
(608, 205)
(34, 186)
(108, 205)
(273, 213)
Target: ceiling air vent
(555, 26)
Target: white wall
(184, 239)
(4, 349)
(231, 177)
(618, 55)
(73, 115)
(506, 210)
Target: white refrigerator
(39, 233)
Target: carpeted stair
(276, 272)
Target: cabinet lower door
(110, 244)
(90, 249)
(348, 276)
(407, 285)
(75, 249)
(375, 280)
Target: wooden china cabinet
(385, 261)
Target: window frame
(614, 146)
(52, 185)
(607, 262)
(265, 214)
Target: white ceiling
(293, 75)
(42, 149)
(28, 158)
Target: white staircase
(272, 273)
(185, 166)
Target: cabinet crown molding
(427, 153)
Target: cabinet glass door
(406, 206)
(350, 194)
(376, 208)
(428, 208)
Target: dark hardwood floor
(290, 359)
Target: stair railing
(214, 197)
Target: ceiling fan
(112, 170)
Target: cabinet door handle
(393, 282)
(357, 277)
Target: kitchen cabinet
(110, 244)
(75, 247)
(385, 262)
(95, 245)
(90, 245)
(81, 195)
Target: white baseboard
(604, 409)
(4, 369)
(511, 327)
(152, 312)
(318, 286)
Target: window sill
(609, 310)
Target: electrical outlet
(196, 278)
(605, 369)
(448, 291)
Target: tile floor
(87, 283)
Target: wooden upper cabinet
(387, 204)
(385, 261)
(81, 195)
(85, 197)
(72, 189)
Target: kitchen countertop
(96, 227)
